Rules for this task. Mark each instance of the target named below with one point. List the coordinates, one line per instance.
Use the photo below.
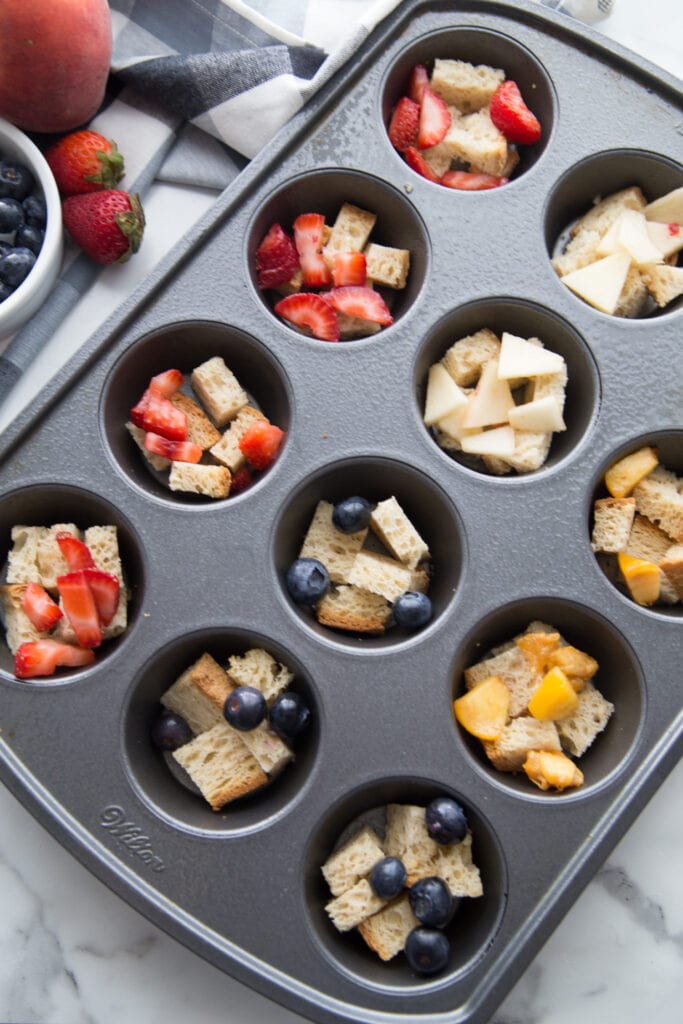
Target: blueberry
(245, 708)
(431, 901)
(170, 731)
(16, 181)
(427, 950)
(387, 878)
(412, 610)
(5, 247)
(30, 237)
(11, 215)
(445, 820)
(15, 266)
(307, 581)
(35, 211)
(352, 514)
(289, 715)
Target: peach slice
(537, 647)
(483, 711)
(554, 698)
(573, 662)
(622, 477)
(643, 579)
(548, 768)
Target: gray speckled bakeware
(243, 887)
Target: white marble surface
(73, 953)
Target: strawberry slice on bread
(360, 302)
(512, 117)
(308, 239)
(43, 612)
(404, 124)
(43, 657)
(309, 310)
(276, 258)
(80, 608)
(435, 120)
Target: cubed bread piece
(218, 390)
(103, 543)
(439, 157)
(458, 870)
(200, 429)
(649, 542)
(18, 627)
(386, 932)
(353, 906)
(351, 230)
(531, 450)
(672, 566)
(354, 860)
(227, 450)
(515, 669)
(158, 462)
(386, 266)
(393, 527)
(612, 521)
(657, 497)
(578, 730)
(51, 562)
(407, 838)
(466, 357)
(259, 669)
(664, 283)
(198, 478)
(548, 385)
(605, 212)
(475, 140)
(634, 295)
(270, 751)
(382, 575)
(22, 559)
(350, 608)
(336, 550)
(198, 695)
(509, 752)
(220, 765)
(468, 87)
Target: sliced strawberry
(470, 182)
(362, 302)
(160, 416)
(419, 81)
(512, 117)
(418, 163)
(77, 555)
(276, 258)
(137, 413)
(241, 480)
(435, 120)
(42, 657)
(176, 451)
(308, 238)
(104, 587)
(306, 309)
(166, 384)
(80, 608)
(348, 268)
(260, 443)
(404, 124)
(43, 612)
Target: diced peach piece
(573, 662)
(537, 647)
(554, 698)
(548, 768)
(643, 579)
(622, 477)
(483, 711)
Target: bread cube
(336, 550)
(509, 751)
(350, 608)
(386, 266)
(468, 87)
(197, 478)
(220, 765)
(218, 390)
(393, 527)
(578, 729)
(354, 860)
(386, 931)
(353, 906)
(257, 668)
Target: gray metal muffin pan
(243, 887)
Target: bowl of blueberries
(31, 237)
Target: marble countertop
(71, 952)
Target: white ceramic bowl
(18, 307)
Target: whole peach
(54, 62)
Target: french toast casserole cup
(209, 575)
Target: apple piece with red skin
(54, 62)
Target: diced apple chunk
(554, 698)
(452, 425)
(483, 711)
(600, 284)
(543, 414)
(443, 395)
(499, 441)
(667, 209)
(548, 768)
(492, 399)
(629, 234)
(668, 238)
(622, 477)
(643, 578)
(521, 358)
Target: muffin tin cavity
(375, 479)
(635, 533)
(475, 921)
(478, 47)
(525, 320)
(49, 504)
(185, 346)
(618, 679)
(398, 226)
(164, 784)
(596, 178)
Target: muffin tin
(243, 888)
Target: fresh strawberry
(308, 238)
(418, 163)
(107, 225)
(470, 182)
(276, 258)
(241, 480)
(77, 555)
(85, 161)
(435, 120)
(404, 124)
(104, 587)
(419, 81)
(43, 612)
(361, 302)
(137, 413)
(306, 309)
(348, 268)
(43, 657)
(512, 117)
(160, 416)
(80, 608)
(260, 443)
(176, 451)
(167, 383)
